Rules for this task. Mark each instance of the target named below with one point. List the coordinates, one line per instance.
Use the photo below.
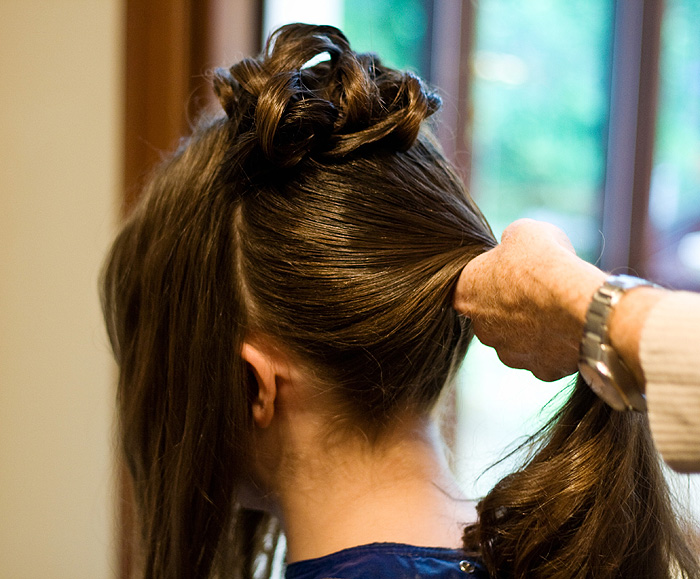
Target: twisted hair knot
(285, 108)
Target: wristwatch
(599, 364)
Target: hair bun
(288, 110)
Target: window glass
(279, 12)
(674, 202)
(398, 30)
(540, 95)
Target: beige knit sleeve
(670, 358)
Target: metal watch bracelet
(599, 364)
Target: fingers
(473, 281)
(528, 346)
(545, 368)
(529, 232)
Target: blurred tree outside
(674, 203)
(678, 129)
(540, 95)
(400, 31)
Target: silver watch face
(599, 364)
(596, 375)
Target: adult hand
(528, 297)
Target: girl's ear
(263, 368)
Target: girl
(280, 307)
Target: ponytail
(591, 502)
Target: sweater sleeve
(670, 358)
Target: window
(674, 202)
(540, 109)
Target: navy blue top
(389, 561)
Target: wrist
(626, 323)
(577, 281)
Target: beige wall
(60, 66)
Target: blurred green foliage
(540, 122)
(677, 151)
(397, 30)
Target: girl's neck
(351, 493)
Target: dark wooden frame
(632, 124)
(453, 35)
(453, 42)
(170, 44)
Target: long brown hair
(317, 211)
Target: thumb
(471, 283)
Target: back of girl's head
(318, 213)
